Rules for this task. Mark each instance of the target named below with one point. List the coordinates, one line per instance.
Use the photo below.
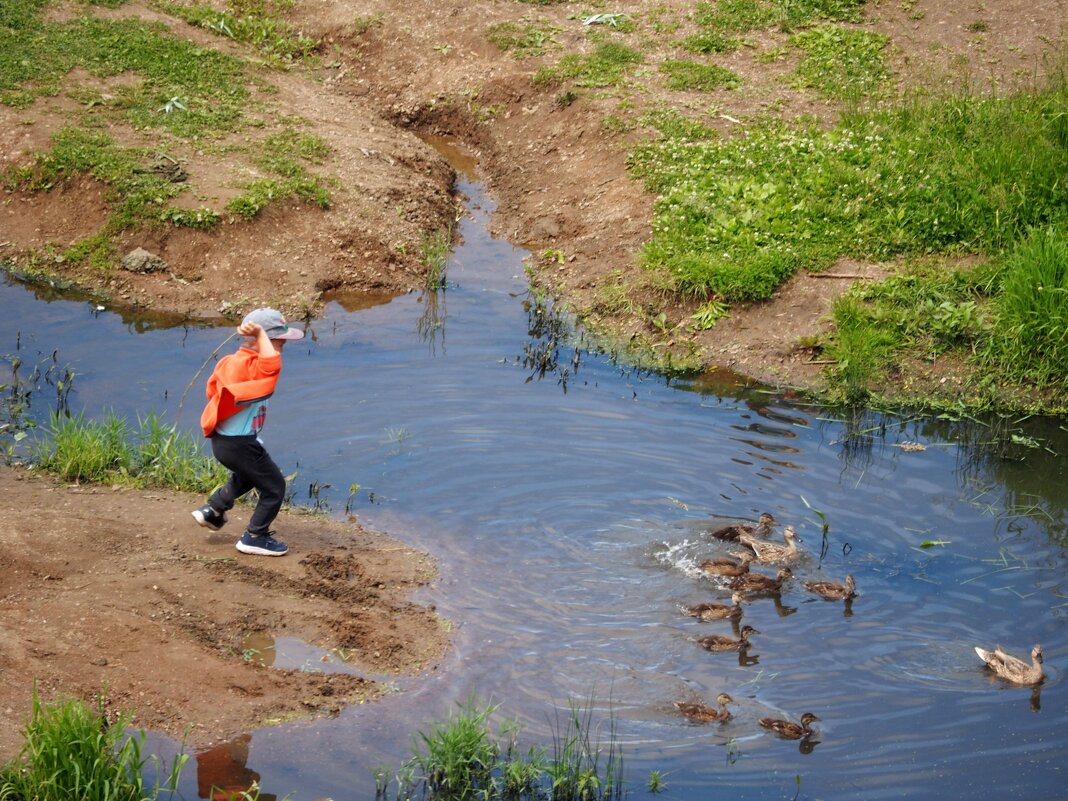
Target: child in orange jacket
(237, 392)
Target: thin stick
(214, 353)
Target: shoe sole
(252, 549)
(203, 521)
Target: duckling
(714, 611)
(833, 591)
(758, 582)
(1013, 669)
(702, 713)
(721, 642)
(732, 532)
(789, 729)
(725, 566)
(769, 551)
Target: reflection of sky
(566, 518)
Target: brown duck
(769, 551)
(725, 566)
(721, 642)
(758, 582)
(789, 729)
(703, 713)
(1012, 668)
(715, 611)
(832, 590)
(732, 532)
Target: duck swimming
(769, 551)
(789, 729)
(1012, 668)
(732, 532)
(721, 642)
(758, 582)
(716, 611)
(833, 591)
(725, 566)
(704, 713)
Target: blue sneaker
(263, 545)
(209, 518)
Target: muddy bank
(119, 591)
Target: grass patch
(972, 174)
(209, 86)
(461, 759)
(434, 254)
(73, 751)
(111, 452)
(689, 75)
(259, 23)
(841, 62)
(607, 65)
(524, 39)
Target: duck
(1012, 668)
(832, 590)
(703, 713)
(725, 566)
(789, 729)
(769, 551)
(732, 532)
(716, 611)
(758, 582)
(721, 642)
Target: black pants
(251, 468)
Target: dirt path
(119, 591)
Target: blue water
(565, 511)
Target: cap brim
(291, 333)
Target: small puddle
(289, 653)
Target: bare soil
(119, 593)
(150, 610)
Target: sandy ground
(118, 589)
(119, 592)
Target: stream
(565, 495)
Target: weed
(110, 452)
(258, 23)
(434, 254)
(689, 75)
(607, 65)
(73, 751)
(656, 782)
(524, 39)
(709, 314)
(840, 62)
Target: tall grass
(968, 174)
(72, 751)
(460, 759)
(110, 451)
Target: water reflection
(223, 773)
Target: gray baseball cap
(272, 321)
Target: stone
(140, 260)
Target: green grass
(460, 759)
(1007, 318)
(110, 451)
(525, 38)
(841, 62)
(434, 254)
(689, 75)
(259, 23)
(607, 65)
(973, 174)
(72, 751)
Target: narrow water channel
(564, 498)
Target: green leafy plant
(73, 751)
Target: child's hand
(249, 329)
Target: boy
(237, 392)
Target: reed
(72, 751)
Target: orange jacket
(239, 378)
